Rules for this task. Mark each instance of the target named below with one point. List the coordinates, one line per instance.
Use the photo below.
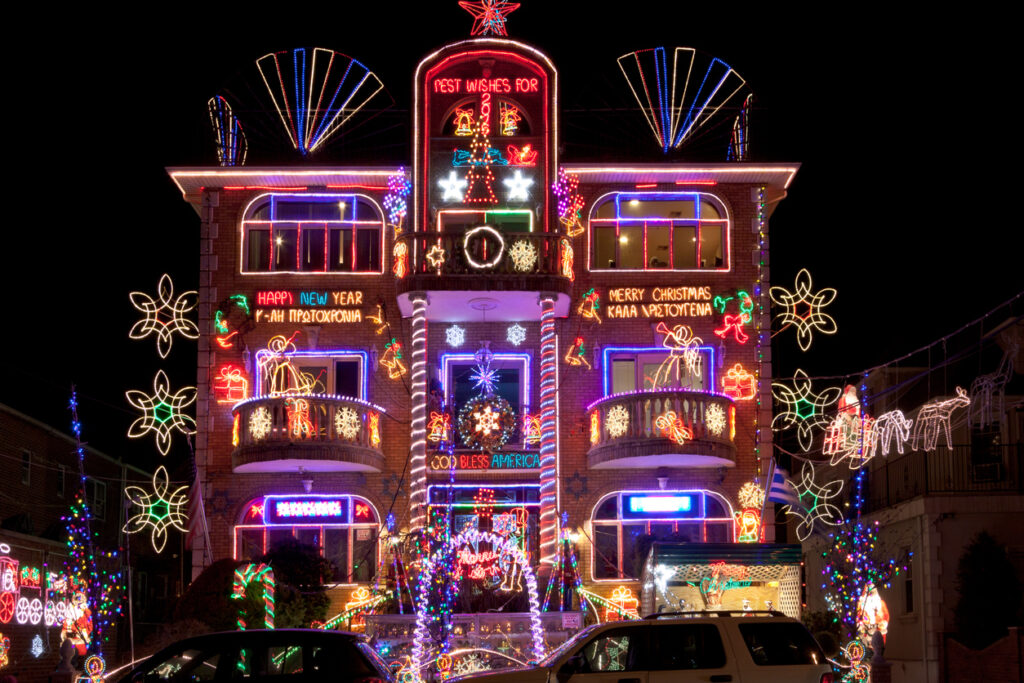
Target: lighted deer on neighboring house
(984, 389)
(935, 416)
(892, 425)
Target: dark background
(906, 202)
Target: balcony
(317, 432)
(457, 269)
(662, 428)
(962, 470)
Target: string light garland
(162, 412)
(523, 255)
(516, 333)
(803, 309)
(165, 315)
(803, 408)
(159, 511)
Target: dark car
(262, 656)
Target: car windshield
(555, 654)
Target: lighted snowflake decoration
(617, 421)
(164, 316)
(714, 418)
(486, 422)
(817, 507)
(346, 422)
(436, 257)
(515, 334)
(260, 422)
(455, 336)
(484, 379)
(751, 495)
(489, 15)
(162, 412)
(37, 646)
(523, 255)
(469, 664)
(804, 409)
(803, 309)
(160, 510)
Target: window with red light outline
(348, 243)
(355, 541)
(631, 220)
(615, 559)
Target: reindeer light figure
(984, 410)
(682, 345)
(935, 416)
(892, 425)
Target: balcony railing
(513, 261)
(335, 433)
(960, 470)
(662, 428)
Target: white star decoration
(517, 186)
(453, 187)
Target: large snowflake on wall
(515, 334)
(617, 421)
(159, 511)
(523, 255)
(162, 412)
(802, 408)
(714, 418)
(347, 422)
(260, 423)
(165, 315)
(802, 308)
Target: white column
(418, 414)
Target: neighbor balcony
(662, 428)
(315, 432)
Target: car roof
(257, 635)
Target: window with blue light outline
(465, 363)
(671, 238)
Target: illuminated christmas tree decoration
(227, 133)
(230, 385)
(531, 429)
(260, 423)
(436, 257)
(934, 417)
(509, 118)
(617, 421)
(570, 202)
(439, 428)
(816, 506)
(890, 426)
(373, 419)
(595, 428)
(37, 646)
(347, 423)
(395, 201)
(673, 427)
(517, 186)
(463, 121)
(488, 15)
(158, 511)
(315, 97)
(802, 309)
(714, 419)
(739, 384)
(677, 102)
(516, 333)
(577, 355)
(392, 359)
(453, 187)
(567, 256)
(523, 255)
(165, 315)
(527, 156)
(489, 260)
(803, 408)
(486, 422)
(480, 177)
(299, 424)
(162, 412)
(682, 345)
(589, 305)
(455, 336)
(739, 142)
(400, 266)
(258, 573)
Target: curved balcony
(662, 428)
(458, 268)
(317, 432)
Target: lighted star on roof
(489, 15)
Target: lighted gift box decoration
(739, 384)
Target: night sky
(903, 124)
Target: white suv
(733, 647)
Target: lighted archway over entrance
(500, 545)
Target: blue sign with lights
(662, 506)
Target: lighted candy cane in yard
(245, 575)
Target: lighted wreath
(486, 422)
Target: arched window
(344, 528)
(625, 523)
(659, 231)
(312, 233)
